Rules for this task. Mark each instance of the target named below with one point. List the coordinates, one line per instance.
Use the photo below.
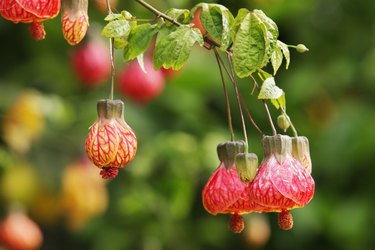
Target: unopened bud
(301, 48)
(227, 151)
(283, 122)
(246, 165)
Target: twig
(226, 96)
(112, 57)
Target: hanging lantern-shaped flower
(75, 20)
(301, 151)
(282, 183)
(111, 143)
(225, 192)
(30, 11)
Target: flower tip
(236, 223)
(109, 172)
(285, 220)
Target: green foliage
(173, 49)
(217, 21)
(139, 40)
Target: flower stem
(238, 99)
(266, 108)
(112, 56)
(226, 96)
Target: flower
(301, 151)
(282, 183)
(111, 143)
(75, 20)
(30, 11)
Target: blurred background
(155, 202)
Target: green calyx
(110, 109)
(278, 145)
(247, 166)
(227, 151)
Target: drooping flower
(30, 11)
(111, 143)
(224, 192)
(75, 20)
(282, 183)
(83, 195)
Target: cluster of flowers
(282, 182)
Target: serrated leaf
(180, 15)
(249, 46)
(139, 40)
(217, 21)
(172, 50)
(285, 50)
(270, 31)
(141, 63)
(269, 90)
(113, 16)
(116, 28)
(237, 22)
(279, 102)
(276, 59)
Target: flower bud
(301, 48)
(283, 122)
(301, 151)
(246, 165)
(227, 151)
(75, 20)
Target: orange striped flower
(30, 11)
(111, 143)
(75, 20)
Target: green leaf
(271, 32)
(172, 50)
(126, 14)
(276, 59)
(249, 46)
(269, 90)
(139, 40)
(279, 102)
(116, 28)
(237, 22)
(285, 51)
(120, 42)
(113, 16)
(180, 15)
(217, 21)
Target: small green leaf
(237, 22)
(285, 50)
(180, 15)
(113, 16)
(269, 90)
(279, 102)
(120, 42)
(249, 46)
(116, 28)
(276, 59)
(217, 21)
(139, 40)
(173, 49)
(126, 14)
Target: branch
(160, 14)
